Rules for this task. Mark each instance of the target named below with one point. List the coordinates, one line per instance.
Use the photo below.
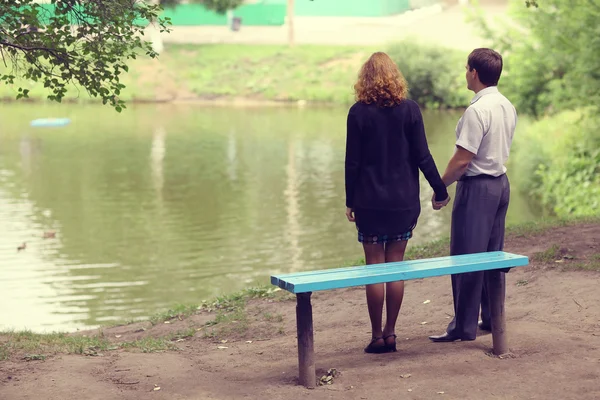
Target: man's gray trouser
(478, 220)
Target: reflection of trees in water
(157, 157)
(25, 151)
(291, 193)
(231, 155)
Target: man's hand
(438, 205)
(350, 214)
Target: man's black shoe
(446, 337)
(484, 327)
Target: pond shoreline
(250, 337)
(435, 248)
(210, 101)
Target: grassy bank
(272, 73)
(227, 316)
(256, 72)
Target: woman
(385, 148)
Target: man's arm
(457, 165)
(456, 168)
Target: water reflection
(164, 205)
(157, 156)
(290, 193)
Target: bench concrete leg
(496, 293)
(306, 356)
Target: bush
(551, 54)
(560, 157)
(434, 74)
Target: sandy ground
(553, 324)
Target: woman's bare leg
(394, 251)
(375, 254)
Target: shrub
(560, 160)
(435, 74)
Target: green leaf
(105, 35)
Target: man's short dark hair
(488, 64)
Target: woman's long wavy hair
(380, 82)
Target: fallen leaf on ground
(118, 336)
(427, 302)
(222, 347)
(156, 389)
(424, 322)
(224, 341)
(328, 379)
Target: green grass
(314, 73)
(180, 311)
(263, 72)
(37, 346)
(231, 316)
(544, 224)
(437, 248)
(42, 344)
(586, 266)
(591, 264)
(273, 317)
(551, 254)
(150, 344)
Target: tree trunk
(290, 21)
(153, 30)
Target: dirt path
(554, 334)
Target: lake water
(175, 204)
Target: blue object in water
(48, 122)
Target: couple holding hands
(386, 147)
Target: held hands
(439, 205)
(350, 214)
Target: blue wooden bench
(304, 283)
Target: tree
(83, 42)
(552, 55)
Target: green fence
(273, 12)
(268, 12)
(350, 8)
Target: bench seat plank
(312, 281)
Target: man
(483, 138)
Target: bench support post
(496, 293)
(306, 358)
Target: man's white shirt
(486, 129)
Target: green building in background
(273, 12)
